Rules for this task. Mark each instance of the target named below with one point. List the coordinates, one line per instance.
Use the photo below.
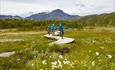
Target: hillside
(98, 20)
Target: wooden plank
(7, 54)
(59, 41)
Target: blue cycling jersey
(49, 27)
(52, 27)
(60, 28)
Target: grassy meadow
(93, 49)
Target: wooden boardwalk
(59, 41)
(6, 54)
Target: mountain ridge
(56, 14)
(9, 17)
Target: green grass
(31, 53)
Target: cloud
(81, 7)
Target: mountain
(9, 17)
(54, 15)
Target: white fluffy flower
(93, 63)
(71, 65)
(54, 63)
(60, 56)
(110, 56)
(102, 47)
(66, 62)
(84, 65)
(59, 63)
(93, 41)
(32, 64)
(50, 56)
(97, 53)
(54, 66)
(44, 62)
(18, 59)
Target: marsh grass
(89, 52)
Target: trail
(6, 54)
(59, 41)
(10, 40)
(22, 33)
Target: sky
(73, 7)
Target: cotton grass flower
(102, 47)
(93, 41)
(44, 62)
(32, 64)
(71, 64)
(59, 63)
(110, 56)
(97, 53)
(56, 64)
(60, 56)
(93, 63)
(84, 65)
(66, 62)
(50, 56)
(18, 59)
